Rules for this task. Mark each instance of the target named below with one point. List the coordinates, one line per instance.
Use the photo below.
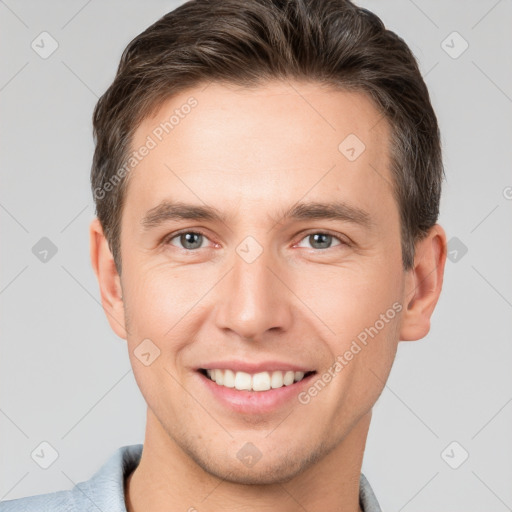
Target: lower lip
(255, 402)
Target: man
(267, 178)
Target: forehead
(274, 143)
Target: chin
(276, 468)
(260, 474)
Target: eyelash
(172, 236)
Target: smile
(262, 381)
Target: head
(267, 179)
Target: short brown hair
(248, 42)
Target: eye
(193, 240)
(188, 240)
(321, 240)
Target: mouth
(257, 382)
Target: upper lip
(252, 367)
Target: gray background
(66, 378)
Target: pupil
(188, 240)
(322, 239)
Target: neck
(168, 479)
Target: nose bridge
(254, 299)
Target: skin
(253, 153)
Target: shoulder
(104, 491)
(60, 500)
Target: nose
(253, 298)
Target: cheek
(362, 309)
(158, 306)
(371, 339)
(164, 306)
(160, 298)
(346, 300)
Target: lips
(249, 401)
(253, 388)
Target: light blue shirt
(105, 490)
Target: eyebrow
(332, 210)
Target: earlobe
(108, 279)
(423, 285)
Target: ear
(423, 284)
(108, 279)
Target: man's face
(261, 291)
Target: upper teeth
(258, 382)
